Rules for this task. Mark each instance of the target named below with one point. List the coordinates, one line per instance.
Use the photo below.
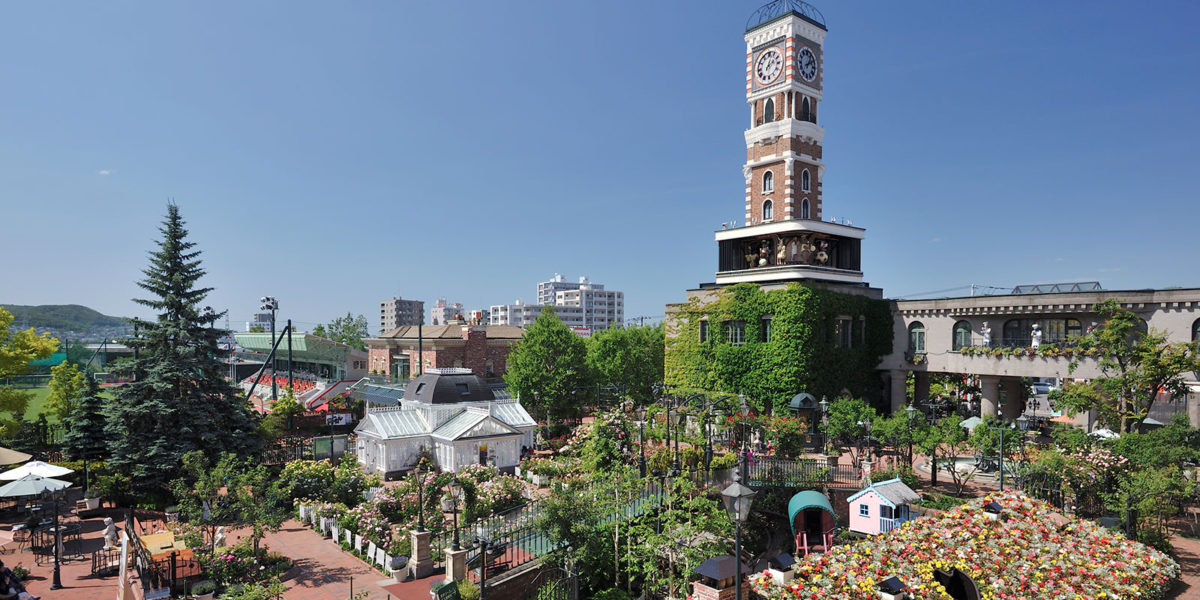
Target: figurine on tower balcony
(986, 333)
(1035, 338)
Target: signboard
(448, 591)
(582, 331)
(338, 419)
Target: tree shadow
(307, 572)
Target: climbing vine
(801, 354)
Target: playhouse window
(864, 510)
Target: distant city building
(581, 304)
(444, 312)
(262, 319)
(398, 312)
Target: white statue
(1036, 336)
(219, 537)
(110, 534)
(986, 332)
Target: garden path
(321, 570)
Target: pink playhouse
(813, 522)
(881, 507)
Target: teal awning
(807, 499)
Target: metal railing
(778, 472)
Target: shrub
(204, 587)
(611, 594)
(468, 590)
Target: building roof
(448, 386)
(807, 499)
(892, 491)
(306, 347)
(396, 423)
(779, 8)
(451, 332)
(719, 567)
(379, 394)
(473, 423)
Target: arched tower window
(962, 335)
(1196, 330)
(804, 209)
(916, 337)
(769, 110)
(805, 111)
(805, 181)
(768, 182)
(768, 210)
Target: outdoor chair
(22, 537)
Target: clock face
(769, 66)
(806, 63)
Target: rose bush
(1033, 553)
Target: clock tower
(785, 236)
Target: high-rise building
(444, 312)
(580, 304)
(399, 312)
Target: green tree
(1136, 367)
(229, 492)
(319, 331)
(846, 425)
(17, 350)
(180, 400)
(944, 440)
(898, 430)
(86, 437)
(349, 330)
(547, 368)
(628, 357)
(67, 386)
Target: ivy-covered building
(788, 310)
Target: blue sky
(334, 155)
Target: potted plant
(92, 499)
(397, 564)
(204, 590)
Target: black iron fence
(327, 447)
(778, 472)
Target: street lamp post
(456, 491)
(909, 410)
(737, 499)
(271, 304)
(642, 449)
(57, 581)
(824, 425)
(419, 471)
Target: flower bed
(1025, 556)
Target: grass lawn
(37, 403)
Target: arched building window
(962, 335)
(916, 337)
(804, 209)
(1196, 330)
(769, 110)
(768, 182)
(805, 113)
(805, 182)
(768, 211)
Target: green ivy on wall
(801, 356)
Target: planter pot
(536, 479)
(397, 565)
(92, 503)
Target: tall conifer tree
(180, 400)
(86, 436)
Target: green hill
(62, 317)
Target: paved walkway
(321, 570)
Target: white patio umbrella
(35, 467)
(1105, 434)
(32, 485)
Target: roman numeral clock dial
(806, 63)
(768, 66)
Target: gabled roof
(513, 414)
(473, 423)
(452, 332)
(892, 491)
